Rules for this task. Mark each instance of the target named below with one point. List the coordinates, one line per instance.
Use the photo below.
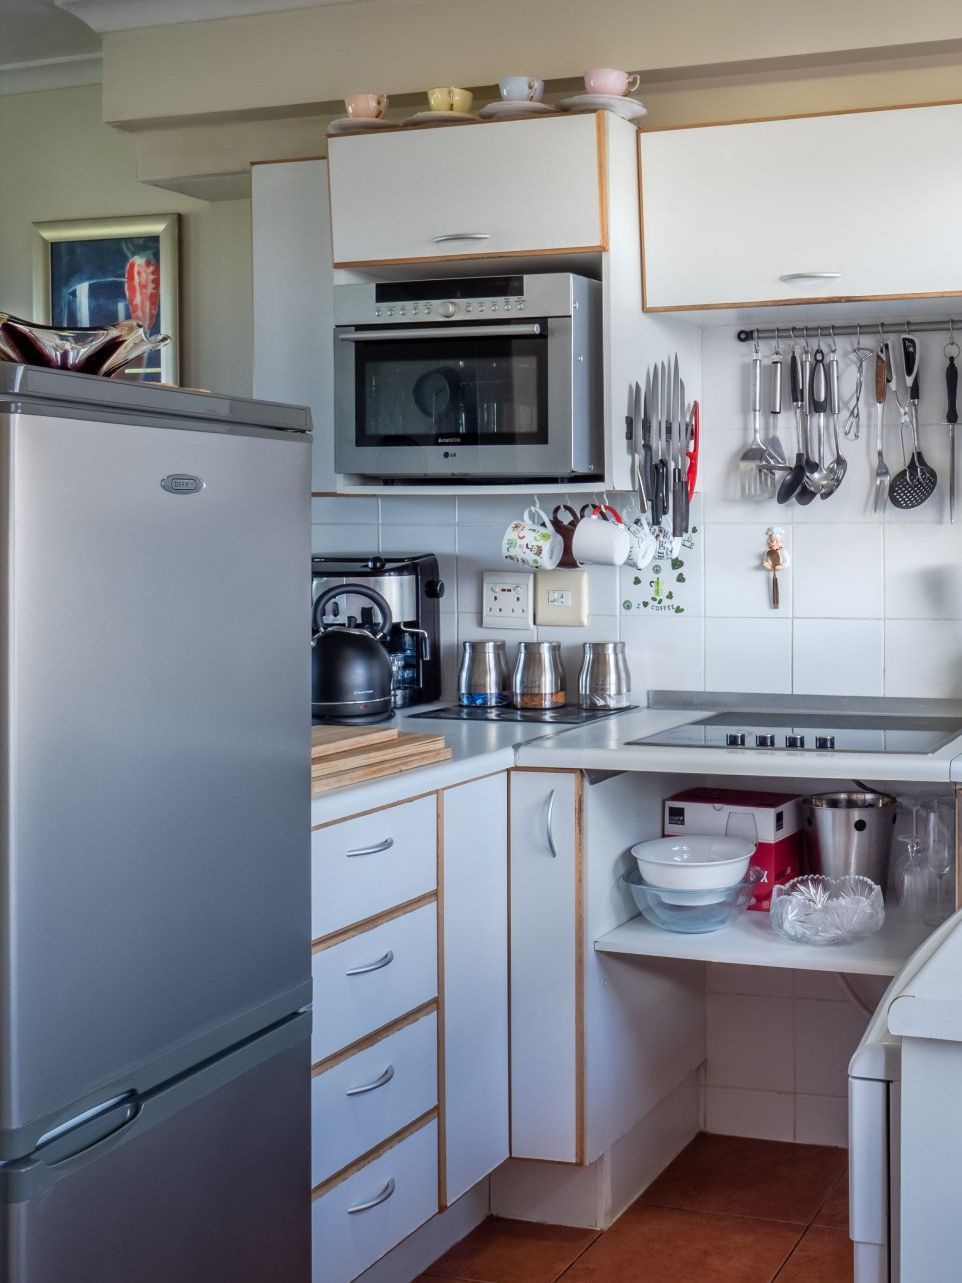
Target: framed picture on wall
(95, 271)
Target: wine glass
(916, 881)
(940, 852)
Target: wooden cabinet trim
(373, 810)
(377, 1152)
(372, 1039)
(442, 1138)
(368, 924)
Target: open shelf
(750, 941)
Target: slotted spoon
(915, 483)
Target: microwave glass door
(463, 388)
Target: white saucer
(440, 118)
(359, 124)
(502, 110)
(627, 108)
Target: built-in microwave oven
(494, 378)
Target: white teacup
(521, 88)
(599, 542)
(532, 542)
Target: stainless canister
(538, 680)
(604, 681)
(483, 676)
(849, 833)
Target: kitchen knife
(630, 416)
(647, 463)
(638, 420)
(662, 484)
(951, 416)
(679, 493)
(692, 453)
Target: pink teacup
(605, 80)
(365, 106)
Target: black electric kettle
(350, 669)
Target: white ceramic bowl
(694, 863)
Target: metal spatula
(915, 483)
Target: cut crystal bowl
(820, 910)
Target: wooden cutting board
(374, 758)
(330, 740)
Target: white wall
(58, 160)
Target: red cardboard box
(772, 820)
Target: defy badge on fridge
(772, 820)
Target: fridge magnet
(96, 271)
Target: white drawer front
(373, 978)
(363, 1100)
(345, 1243)
(362, 867)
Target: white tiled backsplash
(779, 1043)
(871, 604)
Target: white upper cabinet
(518, 187)
(824, 208)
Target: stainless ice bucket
(849, 833)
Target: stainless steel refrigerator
(154, 852)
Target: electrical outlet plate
(561, 598)
(506, 599)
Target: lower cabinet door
(361, 1101)
(475, 924)
(355, 1222)
(546, 968)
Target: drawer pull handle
(549, 835)
(373, 850)
(381, 1081)
(384, 961)
(461, 236)
(809, 276)
(378, 1199)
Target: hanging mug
(601, 539)
(643, 544)
(566, 529)
(532, 541)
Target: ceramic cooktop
(811, 732)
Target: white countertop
(930, 1005)
(601, 746)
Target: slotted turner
(915, 483)
(757, 481)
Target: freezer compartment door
(154, 778)
(209, 1182)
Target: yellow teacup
(450, 99)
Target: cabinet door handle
(384, 961)
(373, 850)
(376, 1201)
(810, 276)
(461, 236)
(548, 834)
(381, 1081)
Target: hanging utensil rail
(863, 329)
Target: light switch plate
(506, 598)
(561, 598)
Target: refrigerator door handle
(82, 1133)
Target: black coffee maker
(412, 587)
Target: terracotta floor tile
(823, 1256)
(736, 1176)
(834, 1211)
(662, 1245)
(502, 1251)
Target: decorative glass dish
(690, 911)
(104, 349)
(820, 910)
